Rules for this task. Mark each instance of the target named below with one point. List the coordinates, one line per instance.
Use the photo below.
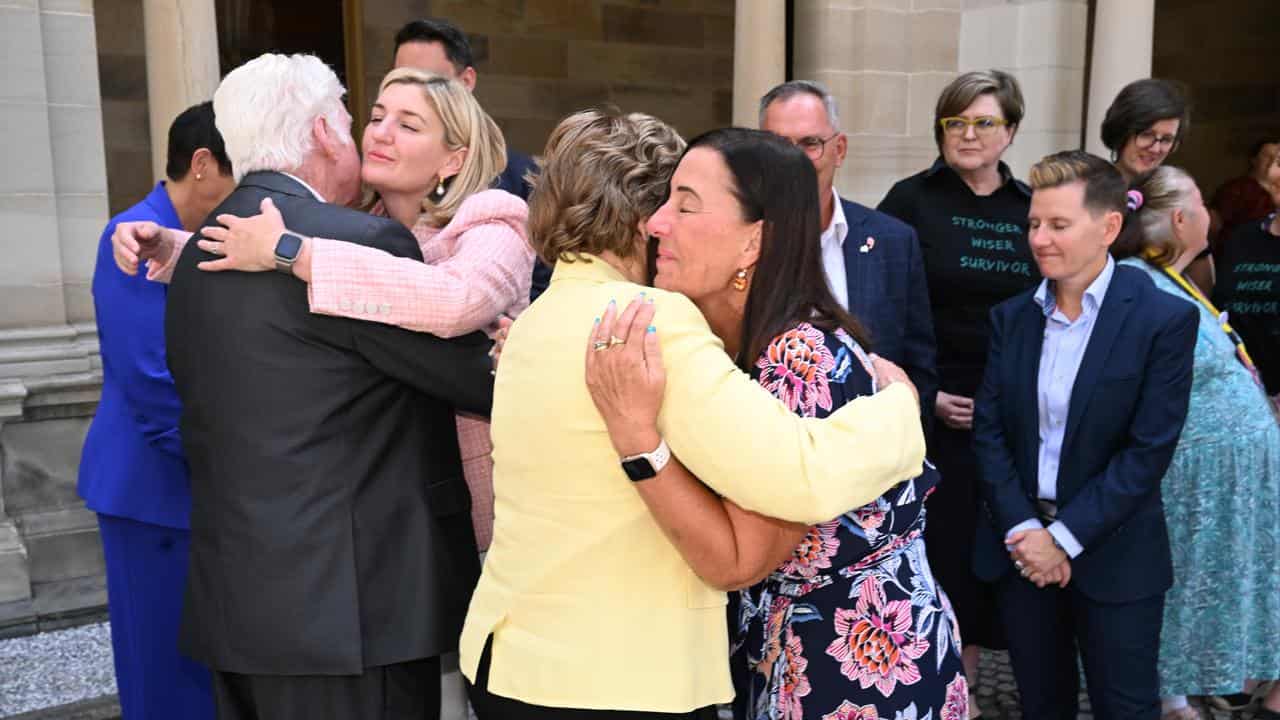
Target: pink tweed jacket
(477, 267)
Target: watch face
(288, 247)
(638, 469)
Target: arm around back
(747, 446)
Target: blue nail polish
(641, 293)
(653, 329)
(612, 302)
(597, 322)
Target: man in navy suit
(872, 260)
(1085, 393)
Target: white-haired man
(332, 549)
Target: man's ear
(202, 163)
(326, 137)
(841, 147)
(468, 77)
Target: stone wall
(1225, 53)
(539, 60)
(53, 203)
(886, 61)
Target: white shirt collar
(304, 184)
(1093, 295)
(838, 230)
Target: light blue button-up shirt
(1063, 349)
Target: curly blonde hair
(466, 125)
(603, 172)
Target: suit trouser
(488, 706)
(146, 577)
(1118, 645)
(404, 691)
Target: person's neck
(724, 312)
(182, 196)
(1068, 293)
(313, 174)
(983, 180)
(632, 268)
(1125, 173)
(828, 199)
(404, 208)
(1183, 262)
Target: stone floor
(71, 669)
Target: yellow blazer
(590, 606)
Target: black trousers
(404, 691)
(1118, 645)
(495, 707)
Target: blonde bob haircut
(603, 173)
(466, 125)
(1148, 231)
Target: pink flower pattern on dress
(794, 685)
(814, 552)
(794, 368)
(875, 642)
(849, 711)
(957, 705)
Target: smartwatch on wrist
(646, 465)
(288, 247)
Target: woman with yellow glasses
(971, 216)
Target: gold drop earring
(740, 280)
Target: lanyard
(1236, 340)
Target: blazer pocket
(448, 497)
(701, 595)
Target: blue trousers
(146, 578)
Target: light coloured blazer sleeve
(163, 273)
(743, 443)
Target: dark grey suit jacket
(330, 525)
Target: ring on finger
(615, 340)
(599, 345)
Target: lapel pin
(866, 247)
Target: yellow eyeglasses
(982, 126)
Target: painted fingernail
(597, 322)
(641, 293)
(612, 302)
(653, 329)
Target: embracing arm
(747, 446)
(728, 547)
(489, 274)
(1110, 498)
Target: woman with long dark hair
(838, 619)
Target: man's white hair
(265, 109)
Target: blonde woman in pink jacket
(430, 155)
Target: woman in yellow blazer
(584, 605)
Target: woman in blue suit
(133, 473)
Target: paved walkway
(71, 668)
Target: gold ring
(599, 345)
(615, 340)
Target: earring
(440, 190)
(199, 177)
(740, 280)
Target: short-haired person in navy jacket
(133, 471)
(1085, 393)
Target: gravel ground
(55, 668)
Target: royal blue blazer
(133, 464)
(888, 294)
(1127, 409)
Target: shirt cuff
(1032, 524)
(1064, 537)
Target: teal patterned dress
(1222, 504)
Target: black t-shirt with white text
(1247, 289)
(976, 255)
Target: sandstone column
(759, 55)
(182, 64)
(1122, 39)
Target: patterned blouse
(853, 625)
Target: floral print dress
(853, 625)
